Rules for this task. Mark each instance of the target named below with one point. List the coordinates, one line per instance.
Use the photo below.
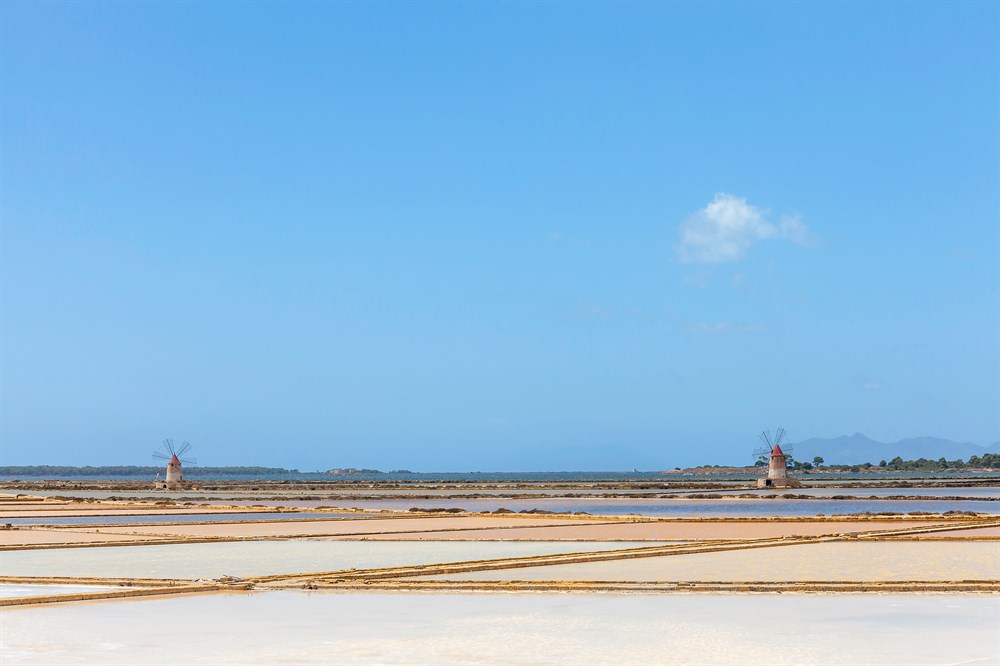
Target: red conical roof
(175, 459)
(776, 451)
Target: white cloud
(726, 228)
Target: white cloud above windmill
(726, 229)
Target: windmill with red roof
(777, 461)
(175, 472)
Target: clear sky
(495, 236)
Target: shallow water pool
(687, 507)
(11, 590)
(259, 558)
(868, 561)
(180, 518)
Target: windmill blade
(160, 456)
(781, 436)
(188, 461)
(765, 437)
(168, 444)
(184, 447)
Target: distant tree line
(136, 470)
(348, 471)
(990, 460)
(897, 464)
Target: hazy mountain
(856, 448)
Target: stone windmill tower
(174, 479)
(777, 463)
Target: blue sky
(495, 236)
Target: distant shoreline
(69, 472)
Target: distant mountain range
(856, 449)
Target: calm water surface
(179, 518)
(257, 558)
(9, 590)
(686, 507)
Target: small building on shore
(777, 472)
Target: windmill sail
(769, 441)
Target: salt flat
(865, 561)
(36, 537)
(665, 530)
(978, 532)
(535, 629)
(361, 525)
(9, 590)
(348, 623)
(254, 558)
